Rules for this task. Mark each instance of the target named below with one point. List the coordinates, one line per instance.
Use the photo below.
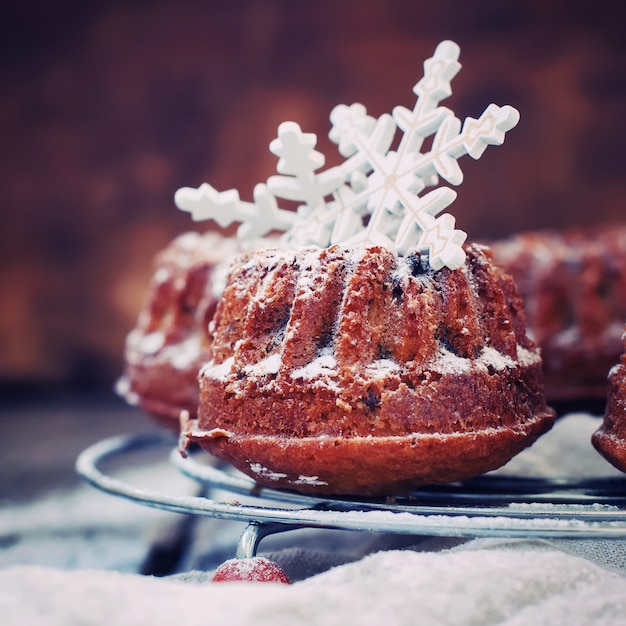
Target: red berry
(257, 569)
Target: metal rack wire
(489, 506)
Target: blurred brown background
(108, 107)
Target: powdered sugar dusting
(180, 355)
(147, 344)
(495, 359)
(123, 389)
(269, 365)
(185, 353)
(382, 367)
(161, 275)
(219, 371)
(489, 358)
(309, 265)
(449, 363)
(323, 365)
(527, 357)
(260, 470)
(309, 480)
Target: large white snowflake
(377, 196)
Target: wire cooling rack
(489, 506)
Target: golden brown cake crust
(343, 371)
(610, 438)
(374, 466)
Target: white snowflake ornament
(298, 162)
(386, 191)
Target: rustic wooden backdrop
(108, 107)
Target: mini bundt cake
(610, 438)
(574, 289)
(351, 371)
(170, 341)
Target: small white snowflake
(376, 196)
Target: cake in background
(610, 438)
(573, 284)
(170, 341)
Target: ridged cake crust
(170, 341)
(610, 438)
(352, 371)
(574, 288)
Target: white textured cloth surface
(478, 583)
(70, 559)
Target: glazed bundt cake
(343, 370)
(574, 289)
(170, 341)
(610, 438)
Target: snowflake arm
(205, 203)
(394, 178)
(268, 216)
(364, 139)
(444, 244)
(438, 238)
(226, 208)
(490, 129)
(299, 160)
(451, 141)
(296, 151)
(312, 192)
(368, 141)
(416, 126)
(435, 86)
(439, 71)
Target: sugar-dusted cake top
(328, 315)
(387, 191)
